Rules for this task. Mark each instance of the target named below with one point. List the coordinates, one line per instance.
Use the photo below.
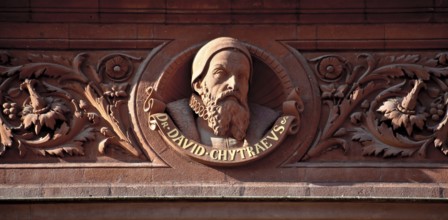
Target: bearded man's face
(224, 91)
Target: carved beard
(226, 116)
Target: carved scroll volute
(396, 105)
(57, 106)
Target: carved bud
(410, 101)
(83, 104)
(38, 102)
(93, 117)
(106, 132)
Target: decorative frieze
(109, 106)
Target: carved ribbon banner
(285, 125)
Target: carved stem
(37, 102)
(332, 127)
(410, 101)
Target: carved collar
(198, 106)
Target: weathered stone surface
(354, 100)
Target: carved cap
(206, 53)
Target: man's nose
(231, 83)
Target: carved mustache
(229, 93)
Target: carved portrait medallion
(215, 121)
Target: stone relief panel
(223, 102)
(381, 107)
(68, 107)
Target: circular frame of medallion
(270, 87)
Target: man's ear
(197, 87)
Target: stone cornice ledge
(230, 191)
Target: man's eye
(219, 73)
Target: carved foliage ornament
(52, 105)
(395, 105)
(378, 105)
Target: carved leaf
(441, 133)
(419, 71)
(73, 147)
(39, 58)
(379, 74)
(115, 110)
(37, 128)
(405, 125)
(334, 113)
(330, 91)
(356, 118)
(48, 119)
(9, 71)
(14, 92)
(63, 73)
(359, 93)
(340, 132)
(63, 130)
(414, 58)
(60, 151)
(50, 126)
(327, 145)
(87, 134)
(327, 90)
(108, 112)
(94, 98)
(340, 92)
(98, 102)
(442, 58)
(385, 134)
(121, 143)
(374, 147)
(362, 137)
(56, 89)
(408, 58)
(339, 113)
(418, 120)
(379, 149)
(22, 149)
(78, 61)
(29, 120)
(401, 70)
(121, 93)
(39, 71)
(5, 137)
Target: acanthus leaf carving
(441, 131)
(394, 104)
(5, 135)
(106, 110)
(51, 105)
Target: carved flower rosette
(393, 106)
(52, 105)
